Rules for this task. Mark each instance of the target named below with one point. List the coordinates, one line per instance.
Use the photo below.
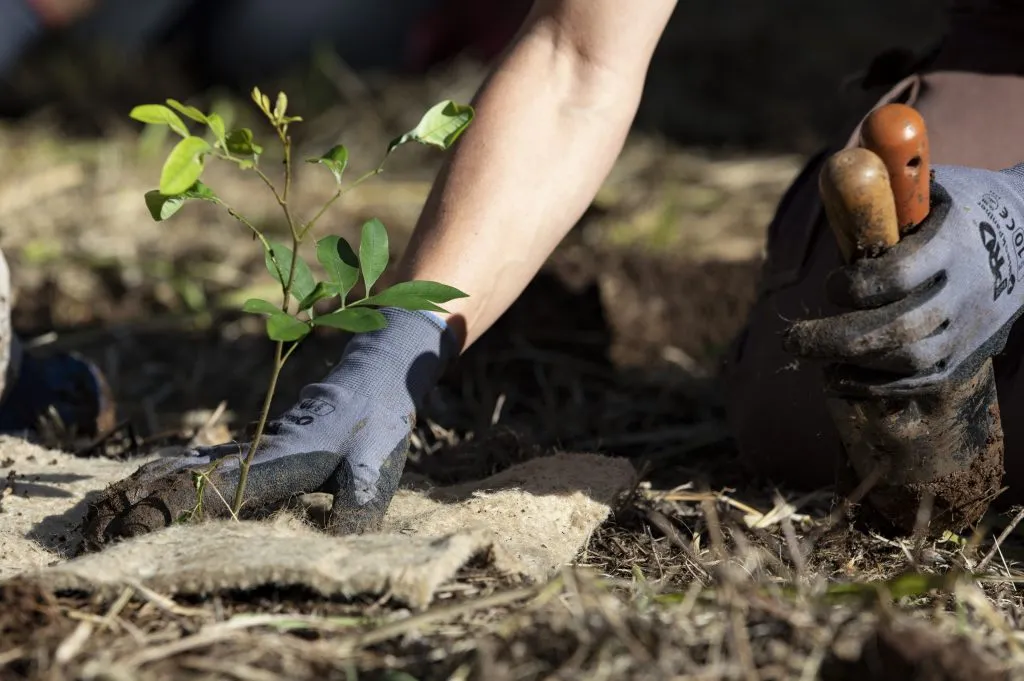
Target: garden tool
(935, 445)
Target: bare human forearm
(551, 120)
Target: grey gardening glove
(348, 435)
(934, 306)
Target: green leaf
(188, 111)
(303, 282)
(162, 206)
(339, 261)
(284, 327)
(183, 166)
(281, 106)
(240, 142)
(216, 124)
(262, 101)
(415, 295)
(260, 306)
(158, 114)
(353, 319)
(439, 127)
(321, 291)
(373, 252)
(335, 160)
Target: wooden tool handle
(854, 187)
(897, 133)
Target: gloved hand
(938, 303)
(348, 435)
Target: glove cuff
(398, 365)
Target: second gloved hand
(348, 435)
(939, 302)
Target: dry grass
(680, 585)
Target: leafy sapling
(291, 320)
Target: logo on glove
(316, 406)
(999, 215)
(993, 243)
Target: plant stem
(296, 237)
(266, 181)
(243, 472)
(280, 357)
(287, 142)
(256, 233)
(241, 218)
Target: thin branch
(338, 194)
(241, 218)
(290, 351)
(287, 142)
(266, 180)
(323, 209)
(258, 234)
(999, 541)
(279, 356)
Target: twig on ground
(740, 637)
(795, 551)
(209, 423)
(11, 655)
(999, 541)
(71, 646)
(230, 669)
(393, 629)
(659, 520)
(165, 603)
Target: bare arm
(551, 120)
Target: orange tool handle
(876, 192)
(897, 133)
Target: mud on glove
(348, 435)
(936, 304)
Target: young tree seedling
(180, 182)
